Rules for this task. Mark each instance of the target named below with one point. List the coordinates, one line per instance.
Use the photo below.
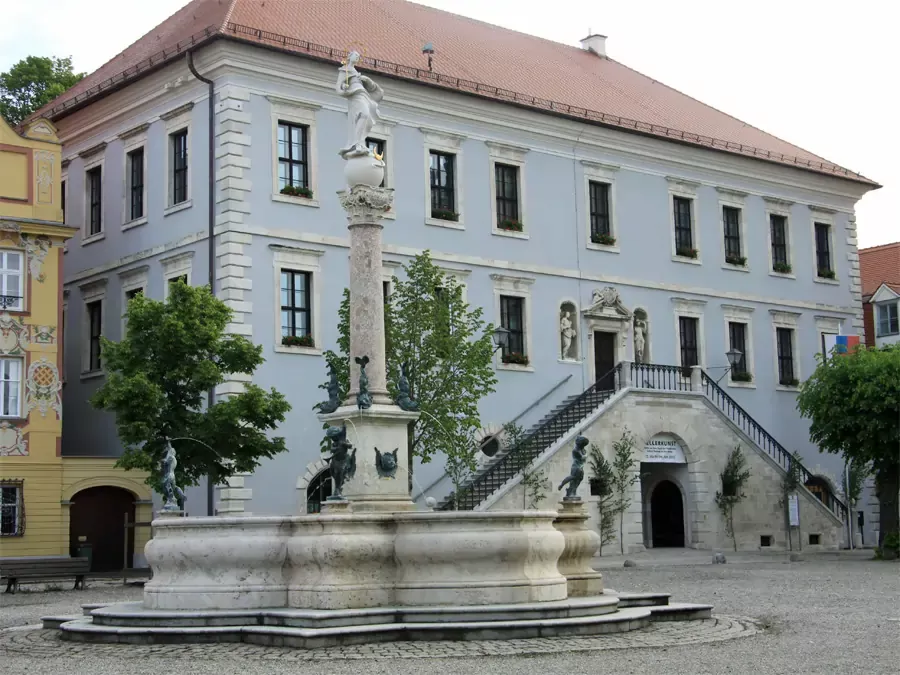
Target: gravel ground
(837, 614)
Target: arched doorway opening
(318, 490)
(97, 518)
(667, 515)
(818, 486)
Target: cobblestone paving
(37, 643)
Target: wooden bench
(16, 571)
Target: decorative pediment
(606, 304)
(884, 294)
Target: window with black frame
(512, 318)
(506, 179)
(12, 516)
(179, 155)
(784, 338)
(94, 179)
(731, 217)
(442, 177)
(684, 236)
(296, 315)
(95, 330)
(293, 165)
(377, 146)
(599, 204)
(823, 250)
(778, 229)
(737, 339)
(690, 346)
(135, 169)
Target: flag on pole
(841, 344)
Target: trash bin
(85, 550)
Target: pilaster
(854, 275)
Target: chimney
(595, 43)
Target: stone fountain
(370, 566)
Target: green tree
(853, 404)
(602, 485)
(449, 349)
(32, 83)
(734, 477)
(157, 381)
(623, 479)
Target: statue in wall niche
(576, 473)
(363, 96)
(404, 400)
(363, 397)
(640, 339)
(173, 494)
(343, 462)
(386, 463)
(334, 393)
(567, 334)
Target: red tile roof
(879, 264)
(471, 56)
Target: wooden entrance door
(98, 514)
(605, 359)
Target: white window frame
(784, 319)
(681, 187)
(821, 214)
(520, 287)
(20, 363)
(134, 139)
(382, 131)
(87, 238)
(737, 200)
(452, 144)
(744, 315)
(179, 119)
(690, 308)
(509, 155)
(174, 266)
(780, 207)
(93, 291)
(19, 487)
(135, 279)
(597, 172)
(296, 111)
(22, 273)
(826, 325)
(299, 260)
(877, 316)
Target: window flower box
(603, 239)
(793, 382)
(510, 225)
(298, 341)
(736, 260)
(741, 377)
(686, 253)
(441, 214)
(826, 274)
(515, 358)
(782, 268)
(297, 191)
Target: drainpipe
(211, 240)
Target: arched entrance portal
(318, 491)
(98, 515)
(667, 515)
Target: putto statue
(343, 462)
(173, 494)
(576, 474)
(363, 96)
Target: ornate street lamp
(501, 338)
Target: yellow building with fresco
(49, 504)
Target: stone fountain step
(54, 622)
(89, 607)
(641, 599)
(680, 611)
(84, 630)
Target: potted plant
(444, 214)
(604, 239)
(782, 268)
(826, 274)
(297, 191)
(736, 260)
(792, 382)
(741, 376)
(515, 358)
(510, 225)
(298, 341)
(686, 253)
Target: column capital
(365, 204)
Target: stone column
(365, 208)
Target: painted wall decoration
(44, 161)
(36, 249)
(14, 335)
(12, 443)
(42, 387)
(43, 335)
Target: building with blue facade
(593, 237)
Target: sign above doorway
(663, 449)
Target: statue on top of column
(363, 96)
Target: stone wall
(707, 438)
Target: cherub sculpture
(343, 462)
(576, 474)
(173, 494)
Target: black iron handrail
(660, 376)
(7, 301)
(535, 442)
(742, 419)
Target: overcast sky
(821, 74)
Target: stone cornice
(92, 151)
(175, 112)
